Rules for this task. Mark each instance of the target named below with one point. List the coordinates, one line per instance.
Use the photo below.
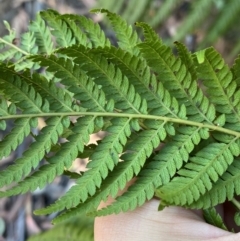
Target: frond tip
(179, 139)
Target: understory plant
(171, 118)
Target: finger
(145, 223)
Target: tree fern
(170, 121)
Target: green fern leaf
(175, 77)
(133, 160)
(110, 78)
(93, 31)
(22, 128)
(212, 217)
(76, 81)
(60, 100)
(61, 160)
(145, 83)
(42, 34)
(103, 159)
(177, 136)
(224, 189)
(187, 59)
(20, 93)
(149, 33)
(127, 37)
(10, 51)
(78, 34)
(31, 157)
(217, 77)
(64, 35)
(6, 110)
(157, 172)
(197, 176)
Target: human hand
(171, 224)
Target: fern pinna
(170, 121)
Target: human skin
(145, 223)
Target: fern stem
(128, 115)
(13, 46)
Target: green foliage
(171, 121)
(212, 217)
(75, 229)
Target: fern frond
(31, 157)
(20, 93)
(6, 110)
(170, 121)
(225, 188)
(11, 52)
(177, 79)
(62, 159)
(7, 47)
(145, 83)
(223, 94)
(197, 175)
(186, 58)
(157, 172)
(140, 147)
(42, 34)
(22, 128)
(76, 81)
(212, 217)
(127, 37)
(236, 70)
(28, 43)
(63, 34)
(93, 31)
(110, 78)
(103, 159)
(149, 33)
(60, 100)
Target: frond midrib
(127, 115)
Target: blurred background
(196, 23)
